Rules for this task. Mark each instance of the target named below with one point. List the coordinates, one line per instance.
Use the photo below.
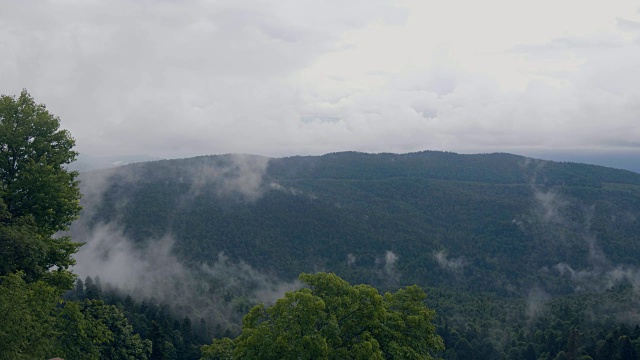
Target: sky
(171, 78)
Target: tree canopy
(331, 319)
(38, 198)
(38, 195)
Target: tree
(34, 153)
(93, 330)
(78, 291)
(38, 198)
(627, 350)
(26, 320)
(38, 195)
(123, 344)
(221, 349)
(334, 320)
(91, 290)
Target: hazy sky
(181, 78)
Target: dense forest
(521, 258)
(495, 222)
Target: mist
(218, 290)
(211, 291)
(455, 265)
(238, 174)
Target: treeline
(504, 217)
(583, 326)
(472, 325)
(172, 336)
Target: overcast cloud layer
(185, 78)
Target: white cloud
(185, 78)
(455, 265)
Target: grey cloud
(351, 259)
(567, 43)
(171, 78)
(389, 272)
(153, 271)
(549, 205)
(454, 265)
(177, 79)
(628, 25)
(599, 278)
(390, 259)
(93, 185)
(240, 174)
(536, 298)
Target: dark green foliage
(38, 196)
(505, 218)
(155, 329)
(35, 323)
(34, 153)
(481, 326)
(26, 318)
(479, 230)
(334, 320)
(94, 330)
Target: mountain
(521, 258)
(88, 163)
(627, 160)
(488, 222)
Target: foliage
(38, 196)
(137, 325)
(486, 211)
(26, 319)
(334, 320)
(480, 230)
(220, 349)
(582, 326)
(94, 330)
(34, 153)
(36, 323)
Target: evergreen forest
(520, 258)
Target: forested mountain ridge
(500, 168)
(520, 258)
(495, 222)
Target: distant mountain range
(88, 163)
(625, 160)
(488, 222)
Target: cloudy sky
(173, 78)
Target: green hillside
(520, 258)
(491, 222)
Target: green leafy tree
(38, 198)
(122, 344)
(26, 321)
(93, 330)
(334, 320)
(79, 335)
(220, 349)
(38, 195)
(34, 152)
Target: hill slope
(495, 222)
